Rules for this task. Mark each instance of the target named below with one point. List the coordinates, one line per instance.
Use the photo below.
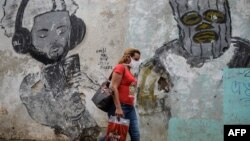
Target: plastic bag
(117, 129)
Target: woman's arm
(115, 82)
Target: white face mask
(134, 65)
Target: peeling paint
(108, 14)
(3, 111)
(11, 64)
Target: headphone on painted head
(22, 42)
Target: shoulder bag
(103, 98)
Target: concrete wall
(45, 94)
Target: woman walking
(123, 84)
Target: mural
(52, 96)
(184, 77)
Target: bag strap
(110, 76)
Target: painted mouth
(205, 37)
(56, 51)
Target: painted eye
(42, 34)
(214, 16)
(191, 18)
(60, 30)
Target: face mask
(134, 65)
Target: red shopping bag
(117, 129)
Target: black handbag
(103, 98)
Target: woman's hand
(119, 112)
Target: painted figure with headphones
(52, 96)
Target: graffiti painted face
(51, 34)
(204, 26)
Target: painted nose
(203, 26)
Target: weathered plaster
(112, 25)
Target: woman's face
(134, 63)
(136, 57)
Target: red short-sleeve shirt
(126, 81)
